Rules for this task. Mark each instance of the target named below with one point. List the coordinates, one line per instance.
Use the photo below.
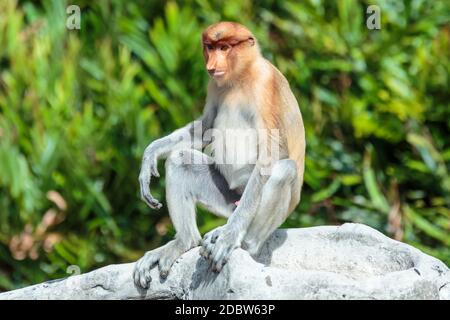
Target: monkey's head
(229, 49)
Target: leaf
(327, 192)
(427, 227)
(376, 196)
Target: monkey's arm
(189, 136)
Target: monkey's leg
(190, 178)
(279, 197)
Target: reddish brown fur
(245, 66)
(230, 32)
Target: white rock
(352, 261)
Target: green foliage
(78, 107)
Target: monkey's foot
(218, 245)
(164, 256)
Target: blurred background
(78, 107)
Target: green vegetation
(78, 107)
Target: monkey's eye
(225, 47)
(209, 47)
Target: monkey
(245, 92)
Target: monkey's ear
(251, 40)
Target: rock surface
(351, 261)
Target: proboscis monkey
(247, 95)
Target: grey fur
(265, 199)
(248, 116)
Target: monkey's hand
(219, 244)
(149, 168)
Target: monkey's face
(218, 61)
(228, 48)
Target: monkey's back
(281, 111)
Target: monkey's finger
(146, 195)
(136, 276)
(154, 170)
(205, 253)
(209, 250)
(151, 202)
(223, 262)
(137, 282)
(136, 273)
(211, 265)
(202, 251)
(143, 280)
(218, 266)
(214, 237)
(208, 245)
(155, 204)
(147, 276)
(144, 273)
(139, 275)
(210, 261)
(205, 240)
(217, 259)
(164, 271)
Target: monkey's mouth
(218, 74)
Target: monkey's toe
(141, 273)
(144, 282)
(220, 251)
(142, 278)
(209, 248)
(209, 241)
(203, 252)
(164, 268)
(205, 249)
(219, 258)
(172, 251)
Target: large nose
(211, 65)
